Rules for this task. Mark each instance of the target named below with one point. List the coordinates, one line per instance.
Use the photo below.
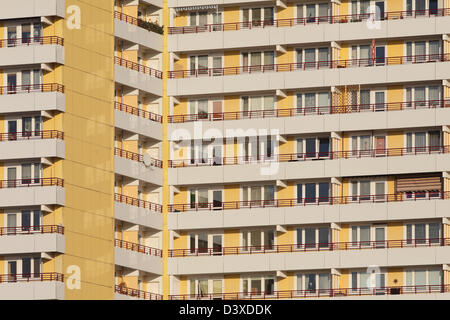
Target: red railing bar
(138, 112)
(137, 247)
(137, 293)
(328, 155)
(136, 157)
(137, 202)
(331, 19)
(45, 87)
(307, 111)
(138, 67)
(289, 294)
(331, 64)
(31, 135)
(7, 43)
(32, 276)
(337, 200)
(310, 247)
(7, 231)
(32, 182)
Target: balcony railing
(8, 43)
(313, 65)
(137, 293)
(32, 182)
(138, 67)
(32, 135)
(138, 112)
(147, 25)
(137, 247)
(136, 157)
(307, 111)
(32, 276)
(137, 202)
(233, 26)
(309, 247)
(278, 203)
(44, 87)
(321, 155)
(316, 293)
(25, 230)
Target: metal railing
(137, 202)
(32, 135)
(320, 155)
(149, 26)
(32, 182)
(331, 19)
(137, 293)
(136, 157)
(309, 247)
(32, 276)
(338, 200)
(137, 247)
(316, 293)
(138, 67)
(8, 43)
(138, 112)
(43, 87)
(313, 65)
(24, 230)
(307, 111)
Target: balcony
(289, 121)
(35, 286)
(31, 51)
(33, 8)
(376, 254)
(309, 165)
(138, 31)
(137, 120)
(310, 247)
(32, 192)
(138, 76)
(32, 239)
(138, 257)
(32, 144)
(137, 166)
(138, 211)
(39, 97)
(124, 293)
(291, 76)
(428, 292)
(238, 214)
(263, 33)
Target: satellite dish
(147, 160)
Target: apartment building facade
(162, 149)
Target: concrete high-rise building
(233, 149)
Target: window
(307, 148)
(255, 240)
(313, 284)
(425, 141)
(204, 287)
(423, 233)
(313, 238)
(257, 286)
(313, 13)
(310, 192)
(422, 280)
(256, 106)
(259, 61)
(363, 282)
(255, 196)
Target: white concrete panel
(32, 243)
(137, 215)
(140, 125)
(25, 149)
(32, 8)
(139, 261)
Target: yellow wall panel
(231, 238)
